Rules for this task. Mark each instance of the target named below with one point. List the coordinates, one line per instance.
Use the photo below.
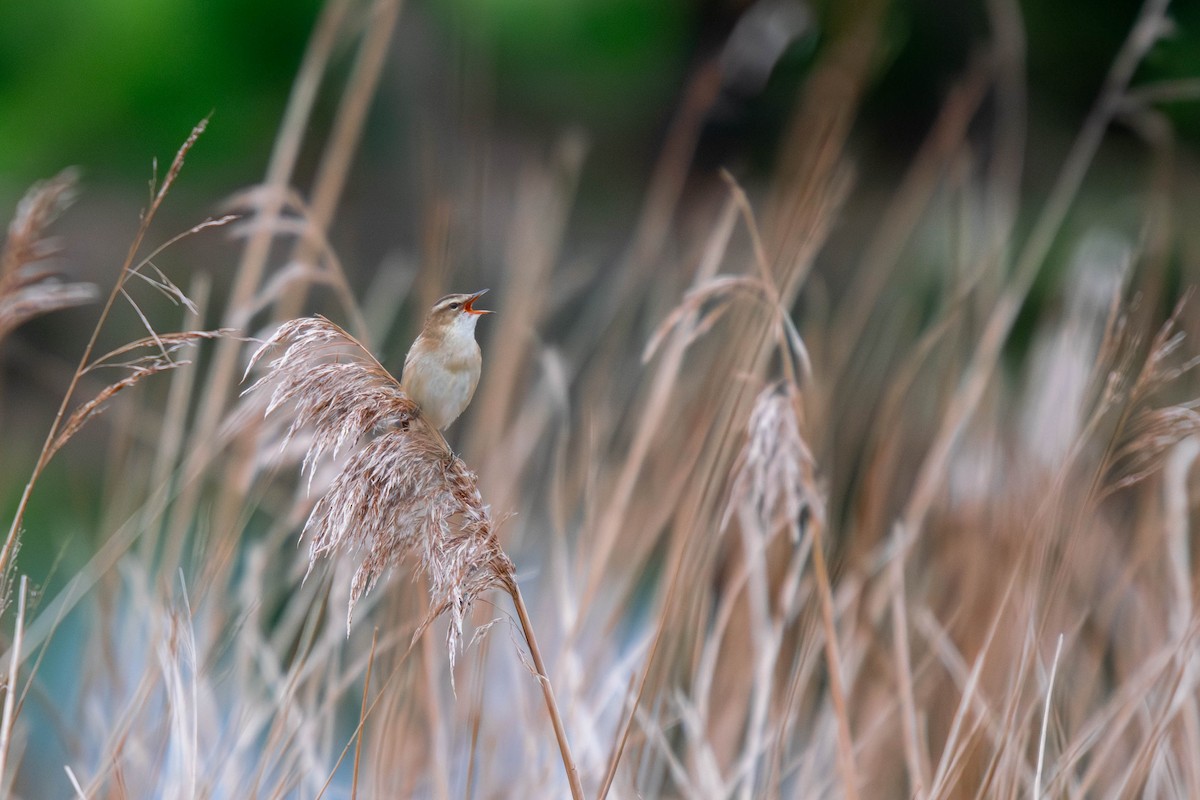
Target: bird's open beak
(468, 306)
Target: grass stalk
(219, 380)
(362, 715)
(560, 732)
(1041, 760)
(339, 153)
(10, 690)
(48, 447)
(837, 692)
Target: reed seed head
(402, 494)
(27, 288)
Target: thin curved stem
(535, 652)
(48, 449)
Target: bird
(442, 367)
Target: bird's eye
(454, 306)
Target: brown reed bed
(787, 528)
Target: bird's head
(455, 312)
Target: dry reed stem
(810, 186)
(657, 407)
(1007, 164)
(968, 682)
(720, 450)
(543, 205)
(543, 677)
(139, 369)
(904, 213)
(659, 395)
(430, 701)
(765, 417)
(319, 266)
(1041, 759)
(362, 715)
(670, 174)
(837, 691)
(10, 689)
(774, 489)
(343, 141)
(475, 717)
(173, 430)
(1147, 30)
(248, 276)
(84, 360)
(75, 783)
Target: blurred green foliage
(105, 84)
(597, 62)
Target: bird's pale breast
(443, 381)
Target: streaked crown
(452, 305)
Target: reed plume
(773, 479)
(402, 494)
(27, 288)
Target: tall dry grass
(869, 548)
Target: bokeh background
(471, 93)
(472, 87)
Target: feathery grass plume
(28, 290)
(142, 367)
(403, 494)
(1148, 430)
(33, 218)
(774, 477)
